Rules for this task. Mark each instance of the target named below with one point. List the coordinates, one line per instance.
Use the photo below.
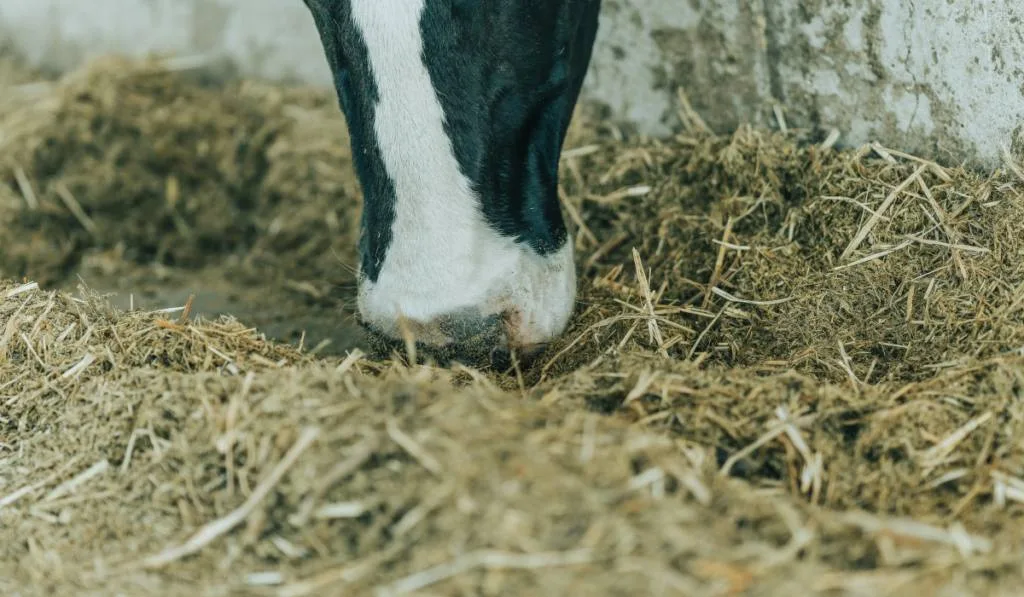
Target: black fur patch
(508, 75)
(357, 95)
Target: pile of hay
(159, 168)
(793, 368)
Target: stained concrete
(944, 78)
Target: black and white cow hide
(458, 110)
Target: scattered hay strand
(77, 481)
(868, 226)
(413, 449)
(487, 559)
(216, 528)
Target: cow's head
(457, 111)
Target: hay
(793, 369)
(200, 173)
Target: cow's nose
(465, 336)
(479, 304)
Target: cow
(457, 112)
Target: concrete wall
(944, 78)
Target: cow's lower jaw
(482, 307)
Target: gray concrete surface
(944, 78)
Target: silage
(125, 158)
(747, 399)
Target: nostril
(500, 358)
(466, 336)
(471, 327)
(527, 355)
(506, 357)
